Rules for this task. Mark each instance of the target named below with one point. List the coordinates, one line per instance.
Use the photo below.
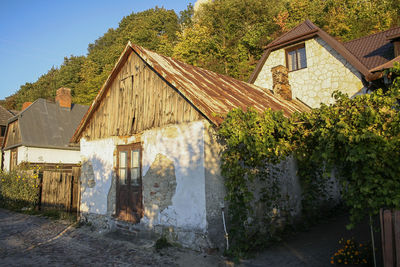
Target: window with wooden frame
(296, 57)
(129, 164)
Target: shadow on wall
(98, 181)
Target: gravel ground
(27, 240)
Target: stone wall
(326, 72)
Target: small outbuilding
(150, 158)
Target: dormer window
(296, 57)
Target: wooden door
(129, 183)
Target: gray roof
(46, 124)
(4, 116)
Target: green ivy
(356, 139)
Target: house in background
(318, 64)
(40, 133)
(5, 115)
(149, 152)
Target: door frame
(129, 148)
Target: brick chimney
(63, 97)
(25, 105)
(280, 80)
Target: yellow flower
(339, 261)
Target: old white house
(149, 155)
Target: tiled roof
(46, 124)
(302, 32)
(307, 27)
(4, 116)
(373, 50)
(387, 65)
(211, 93)
(364, 54)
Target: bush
(19, 189)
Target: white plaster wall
(6, 162)
(326, 72)
(100, 155)
(46, 155)
(42, 155)
(184, 145)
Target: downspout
(226, 233)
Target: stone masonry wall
(326, 72)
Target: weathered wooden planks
(13, 136)
(137, 100)
(60, 190)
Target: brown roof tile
(307, 27)
(302, 32)
(373, 50)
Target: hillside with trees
(226, 36)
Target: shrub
(19, 188)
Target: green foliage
(345, 19)
(19, 188)
(356, 139)
(252, 140)
(161, 243)
(226, 36)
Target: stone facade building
(318, 64)
(150, 158)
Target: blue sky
(37, 34)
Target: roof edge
(335, 44)
(123, 57)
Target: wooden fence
(390, 229)
(60, 189)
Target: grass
(161, 243)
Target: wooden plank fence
(60, 189)
(390, 230)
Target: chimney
(63, 97)
(25, 105)
(280, 80)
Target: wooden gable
(137, 99)
(13, 136)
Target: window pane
(122, 159)
(135, 175)
(292, 60)
(122, 176)
(135, 159)
(302, 57)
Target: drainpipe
(223, 221)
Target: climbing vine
(355, 140)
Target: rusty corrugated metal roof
(211, 93)
(373, 50)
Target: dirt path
(36, 241)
